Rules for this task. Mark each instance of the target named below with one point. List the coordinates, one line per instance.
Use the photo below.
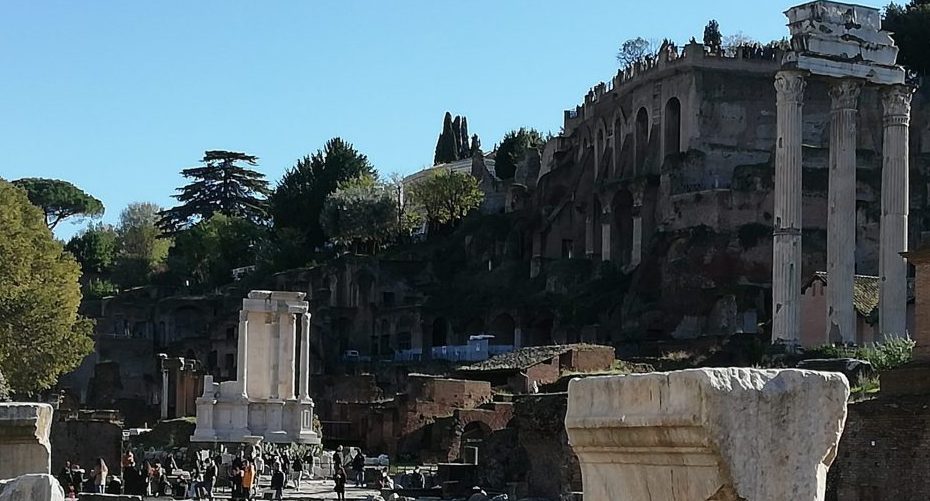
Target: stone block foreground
(24, 443)
(707, 434)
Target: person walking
(99, 476)
(358, 467)
(277, 481)
(340, 478)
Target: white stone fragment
(24, 443)
(33, 487)
(707, 434)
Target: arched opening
(539, 331)
(672, 126)
(473, 435)
(641, 140)
(617, 143)
(502, 328)
(441, 330)
(621, 245)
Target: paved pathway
(316, 490)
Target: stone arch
(441, 331)
(621, 245)
(672, 119)
(473, 435)
(641, 140)
(617, 135)
(503, 327)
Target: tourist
(170, 465)
(65, 476)
(358, 467)
(478, 494)
(209, 478)
(248, 479)
(337, 459)
(298, 472)
(386, 482)
(277, 481)
(99, 476)
(340, 478)
(259, 465)
(286, 466)
(158, 482)
(417, 479)
(235, 480)
(129, 461)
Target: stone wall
(70, 442)
(553, 468)
(883, 455)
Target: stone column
(305, 356)
(589, 236)
(242, 361)
(605, 235)
(637, 250)
(786, 240)
(892, 307)
(841, 211)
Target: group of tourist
(75, 479)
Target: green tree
(909, 25)
(206, 253)
(141, 251)
(41, 334)
(634, 50)
(360, 214)
(513, 148)
(4, 389)
(452, 144)
(713, 39)
(446, 196)
(95, 248)
(59, 199)
(297, 201)
(221, 186)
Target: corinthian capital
(845, 94)
(896, 100)
(789, 86)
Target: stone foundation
(707, 434)
(33, 487)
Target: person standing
(337, 459)
(209, 479)
(340, 478)
(248, 479)
(277, 481)
(358, 467)
(99, 476)
(298, 472)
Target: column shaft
(786, 248)
(841, 212)
(243, 353)
(304, 356)
(605, 241)
(892, 314)
(588, 236)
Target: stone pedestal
(24, 443)
(707, 434)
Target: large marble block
(24, 443)
(707, 434)
(33, 487)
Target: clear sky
(118, 96)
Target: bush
(890, 353)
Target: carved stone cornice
(896, 102)
(789, 86)
(844, 94)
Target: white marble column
(304, 356)
(841, 211)
(286, 337)
(786, 241)
(892, 313)
(242, 372)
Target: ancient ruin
(843, 44)
(263, 404)
(707, 434)
(24, 444)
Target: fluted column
(304, 356)
(892, 313)
(841, 211)
(242, 372)
(786, 247)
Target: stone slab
(32, 487)
(707, 434)
(24, 439)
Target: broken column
(892, 314)
(24, 443)
(841, 211)
(786, 248)
(707, 434)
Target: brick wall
(589, 359)
(884, 453)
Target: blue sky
(117, 97)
